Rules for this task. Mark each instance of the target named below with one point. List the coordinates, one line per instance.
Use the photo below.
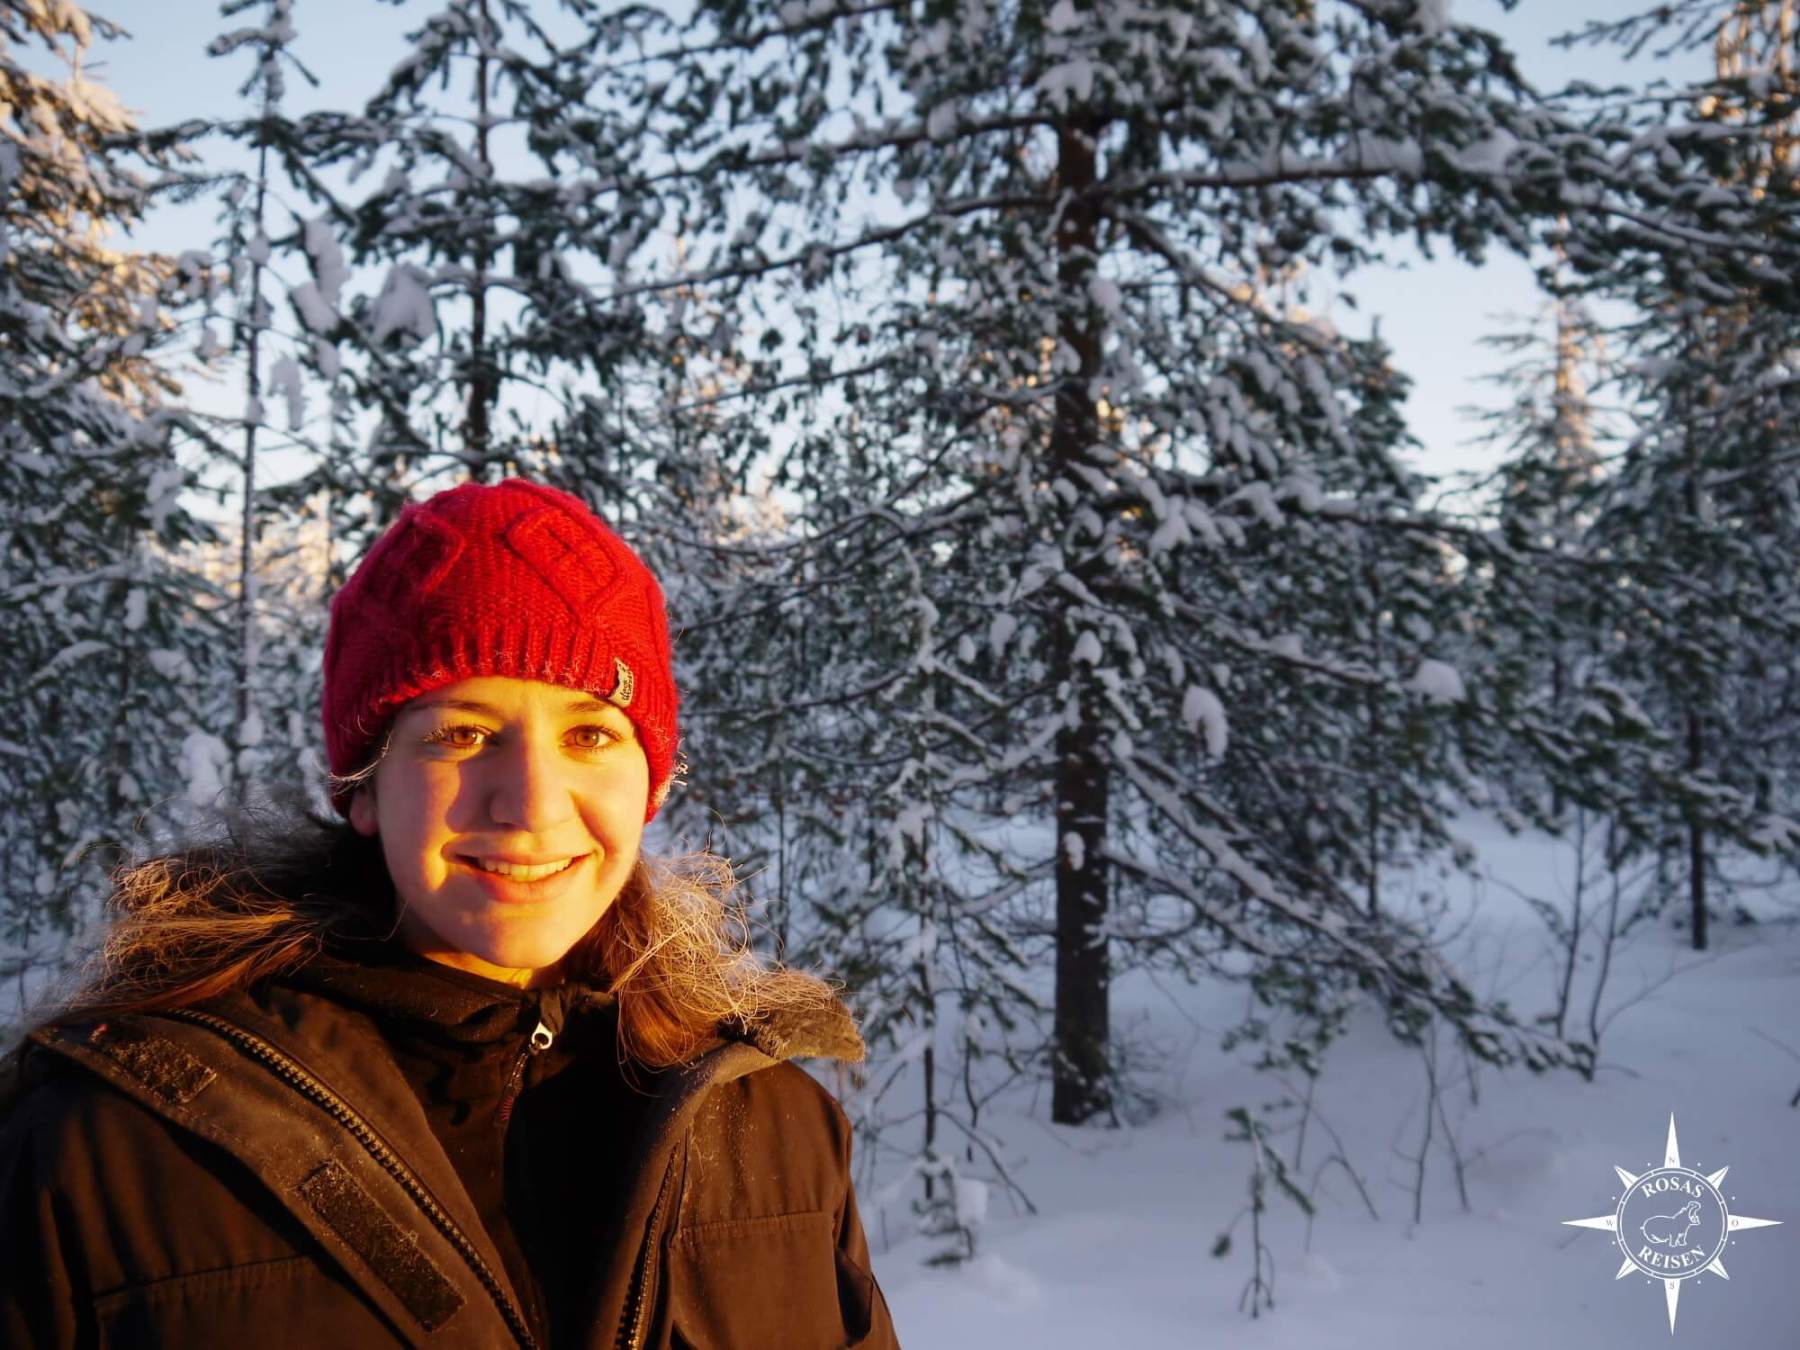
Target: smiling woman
(509, 837)
(465, 1067)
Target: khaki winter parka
(258, 1170)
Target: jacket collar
(387, 982)
(425, 999)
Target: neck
(435, 949)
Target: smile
(520, 871)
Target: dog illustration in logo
(1671, 1230)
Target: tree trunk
(1559, 681)
(1372, 696)
(246, 615)
(477, 434)
(1696, 843)
(1695, 744)
(1079, 1078)
(1079, 1087)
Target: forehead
(502, 696)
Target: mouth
(510, 882)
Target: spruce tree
(481, 197)
(271, 675)
(103, 624)
(1699, 520)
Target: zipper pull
(542, 1038)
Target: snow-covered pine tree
(495, 217)
(1538, 609)
(1700, 519)
(100, 620)
(273, 683)
(1031, 245)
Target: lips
(560, 861)
(516, 889)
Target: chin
(522, 953)
(504, 947)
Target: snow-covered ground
(1120, 1250)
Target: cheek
(413, 823)
(618, 827)
(616, 806)
(621, 831)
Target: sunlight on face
(496, 769)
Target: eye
(450, 737)
(602, 737)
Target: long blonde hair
(675, 946)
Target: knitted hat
(511, 579)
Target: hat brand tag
(623, 687)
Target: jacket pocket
(292, 1300)
(748, 1284)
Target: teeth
(520, 873)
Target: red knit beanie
(512, 579)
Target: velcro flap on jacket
(391, 1252)
(155, 1061)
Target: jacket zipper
(631, 1325)
(341, 1111)
(542, 1038)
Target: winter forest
(1278, 884)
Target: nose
(527, 789)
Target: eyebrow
(581, 705)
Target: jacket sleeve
(856, 1277)
(39, 1289)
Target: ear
(362, 810)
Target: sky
(1434, 313)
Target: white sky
(1432, 313)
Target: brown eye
(451, 737)
(603, 737)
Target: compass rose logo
(1672, 1223)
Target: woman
(465, 1069)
